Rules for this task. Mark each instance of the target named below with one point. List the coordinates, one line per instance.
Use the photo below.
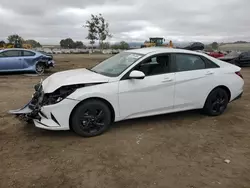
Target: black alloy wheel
(217, 102)
(91, 118)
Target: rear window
(28, 53)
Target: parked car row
(49, 51)
(63, 51)
(234, 57)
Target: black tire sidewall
(208, 105)
(43, 66)
(75, 126)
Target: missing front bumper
(38, 117)
(26, 113)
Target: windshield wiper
(91, 70)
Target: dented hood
(71, 77)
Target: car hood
(71, 77)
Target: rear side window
(28, 53)
(210, 64)
(12, 53)
(188, 62)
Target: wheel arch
(111, 108)
(40, 61)
(222, 87)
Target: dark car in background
(195, 46)
(240, 59)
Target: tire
(216, 102)
(40, 68)
(91, 118)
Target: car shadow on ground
(163, 120)
(159, 119)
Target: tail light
(239, 74)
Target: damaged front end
(32, 110)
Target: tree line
(13, 38)
(69, 43)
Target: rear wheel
(40, 68)
(91, 118)
(216, 102)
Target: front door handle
(209, 72)
(167, 79)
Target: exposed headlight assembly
(60, 94)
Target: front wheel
(216, 102)
(91, 118)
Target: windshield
(116, 64)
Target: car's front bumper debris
(50, 117)
(31, 109)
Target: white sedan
(132, 84)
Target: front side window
(155, 65)
(187, 62)
(116, 64)
(12, 53)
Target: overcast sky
(48, 21)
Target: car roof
(17, 49)
(148, 50)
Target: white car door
(149, 96)
(195, 78)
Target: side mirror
(136, 75)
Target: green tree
(115, 46)
(92, 30)
(13, 38)
(215, 45)
(98, 29)
(123, 45)
(106, 45)
(67, 43)
(102, 29)
(79, 44)
(33, 43)
(2, 43)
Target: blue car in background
(23, 60)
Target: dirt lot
(178, 150)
